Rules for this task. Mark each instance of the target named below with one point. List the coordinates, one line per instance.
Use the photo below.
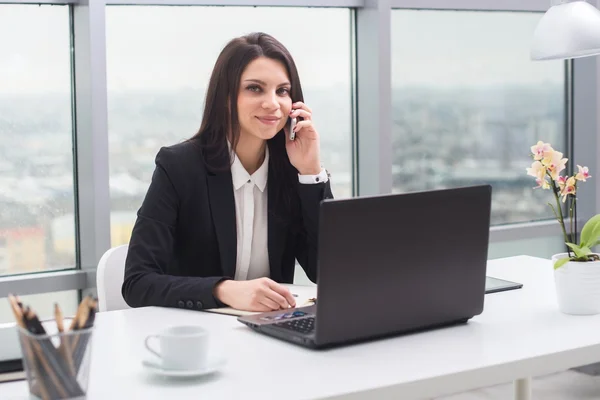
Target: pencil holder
(57, 365)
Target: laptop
(391, 264)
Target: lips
(269, 120)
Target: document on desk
(301, 301)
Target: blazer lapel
(222, 204)
(277, 230)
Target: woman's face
(264, 101)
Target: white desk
(521, 333)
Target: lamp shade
(567, 30)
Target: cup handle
(150, 349)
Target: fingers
(307, 129)
(279, 299)
(301, 105)
(301, 113)
(299, 109)
(283, 292)
(270, 304)
(302, 124)
(259, 307)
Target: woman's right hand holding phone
(259, 295)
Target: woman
(229, 211)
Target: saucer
(212, 366)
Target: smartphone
(292, 125)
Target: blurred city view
(468, 136)
(458, 119)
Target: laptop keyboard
(302, 325)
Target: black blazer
(184, 240)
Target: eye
(283, 91)
(253, 88)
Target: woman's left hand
(303, 151)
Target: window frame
(40, 2)
(371, 72)
(473, 5)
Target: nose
(271, 101)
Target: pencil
(85, 314)
(17, 310)
(78, 313)
(59, 318)
(79, 321)
(82, 343)
(93, 304)
(64, 346)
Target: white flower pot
(577, 286)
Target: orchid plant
(547, 166)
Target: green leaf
(586, 250)
(591, 231)
(580, 252)
(560, 262)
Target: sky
(158, 48)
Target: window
(36, 158)
(156, 93)
(468, 103)
(43, 305)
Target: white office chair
(109, 279)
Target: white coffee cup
(182, 347)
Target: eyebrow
(264, 83)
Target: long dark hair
(220, 118)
